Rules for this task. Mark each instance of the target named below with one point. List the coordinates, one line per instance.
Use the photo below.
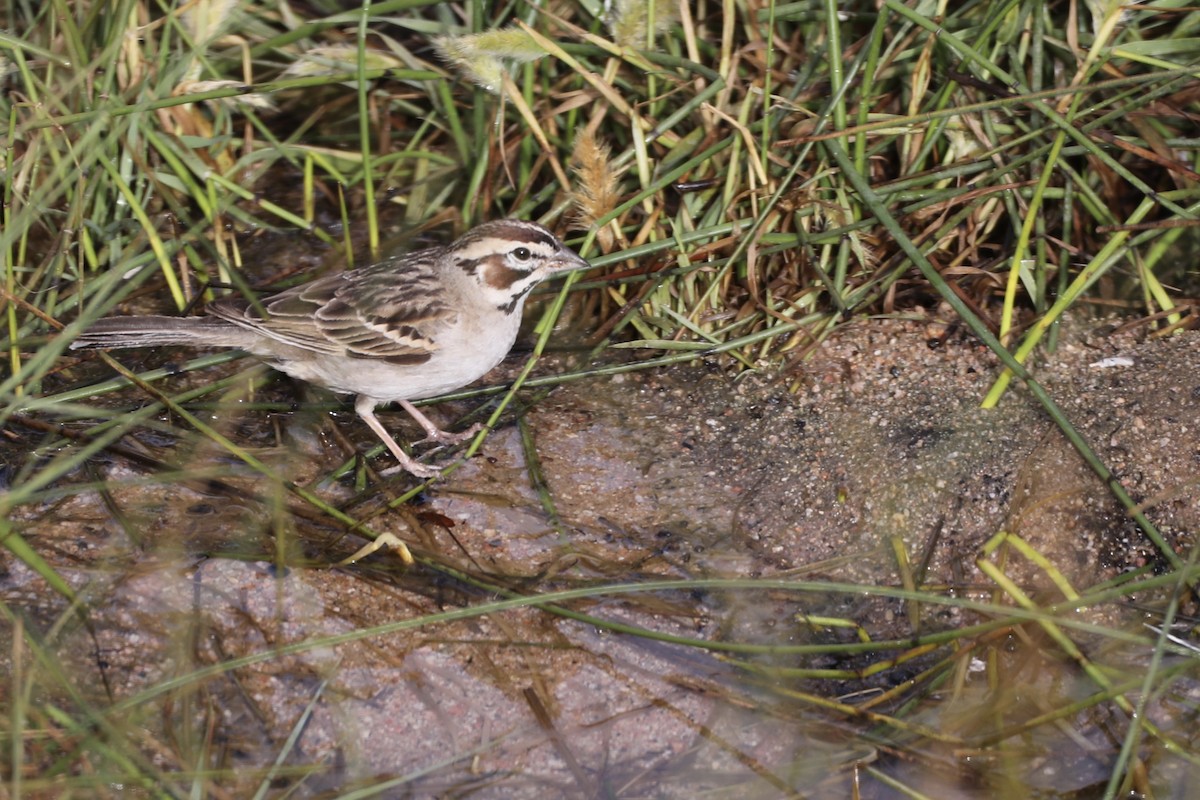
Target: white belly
(464, 354)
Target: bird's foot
(441, 437)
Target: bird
(410, 326)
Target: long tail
(113, 332)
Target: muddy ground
(869, 454)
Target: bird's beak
(570, 262)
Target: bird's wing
(391, 311)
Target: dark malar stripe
(508, 307)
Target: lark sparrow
(409, 327)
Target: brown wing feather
(369, 312)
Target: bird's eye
(522, 254)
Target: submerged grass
(745, 177)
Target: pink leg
(432, 432)
(365, 407)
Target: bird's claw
(440, 437)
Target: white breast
(466, 350)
